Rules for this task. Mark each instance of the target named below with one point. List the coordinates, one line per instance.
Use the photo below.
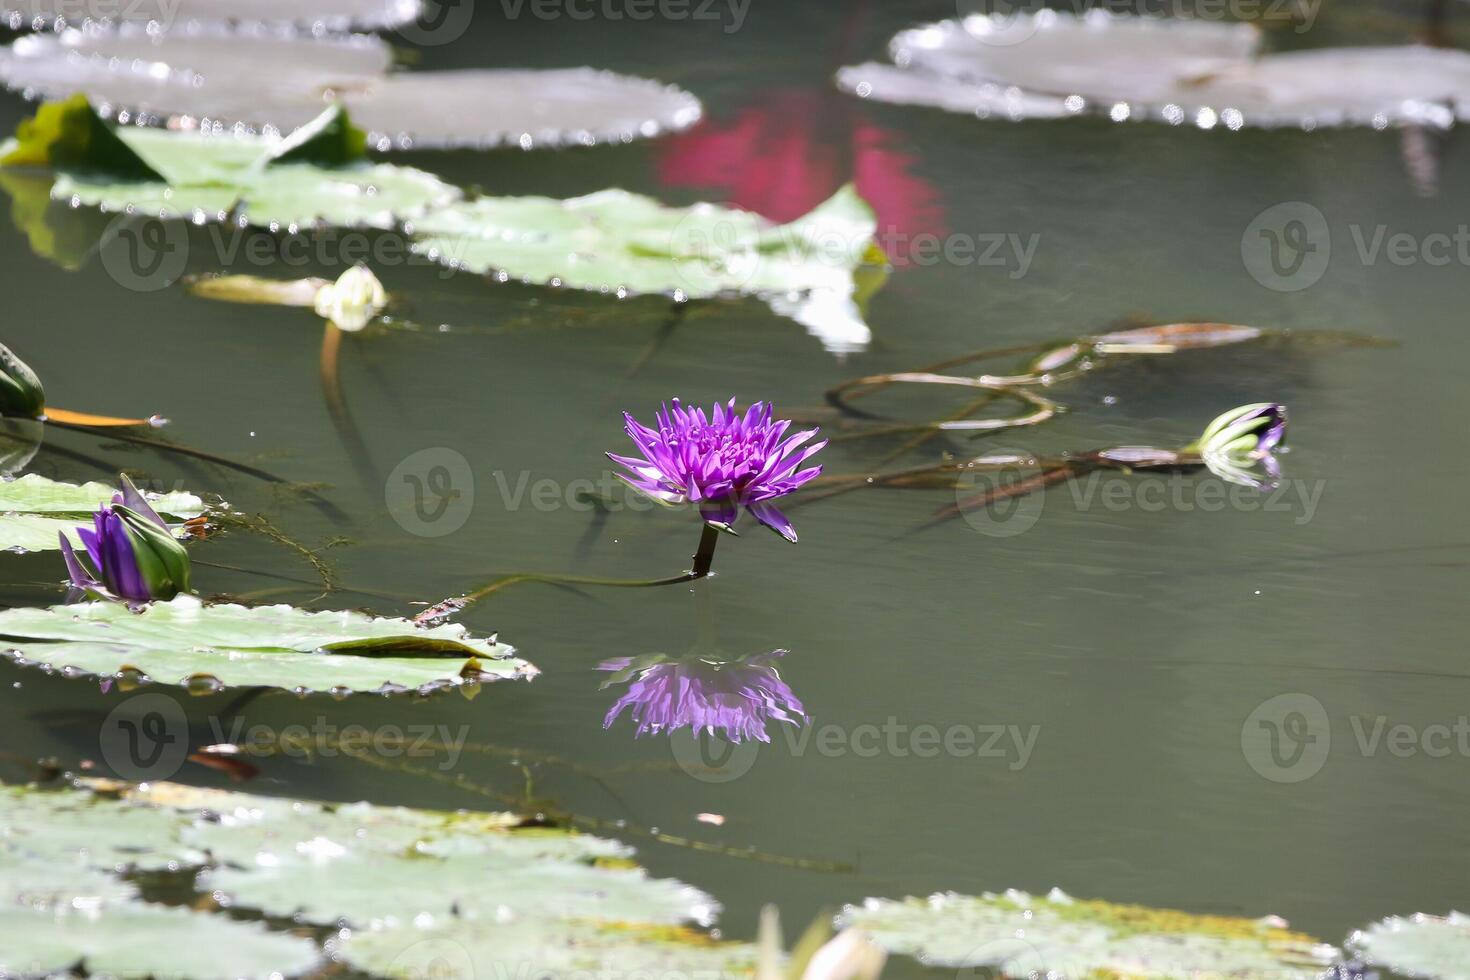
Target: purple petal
(772, 518)
(79, 576)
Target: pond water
(1121, 641)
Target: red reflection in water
(791, 149)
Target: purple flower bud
(131, 554)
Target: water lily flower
(21, 394)
(353, 300)
(732, 698)
(131, 554)
(1238, 441)
(721, 462)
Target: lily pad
(1027, 935)
(185, 641)
(617, 242)
(469, 947)
(33, 509)
(218, 79)
(61, 903)
(549, 899)
(1417, 946)
(260, 179)
(1051, 64)
(317, 17)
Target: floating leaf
(134, 939)
(1418, 946)
(409, 883)
(1050, 64)
(34, 509)
(467, 948)
(68, 135)
(319, 16)
(61, 905)
(181, 640)
(262, 179)
(617, 242)
(1141, 59)
(1026, 935)
(218, 78)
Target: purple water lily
(734, 699)
(131, 552)
(722, 462)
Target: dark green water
(1135, 640)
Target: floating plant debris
(34, 509)
(180, 641)
(1052, 64)
(216, 79)
(1032, 935)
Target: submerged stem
(703, 558)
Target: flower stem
(705, 556)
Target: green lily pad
(1417, 946)
(62, 903)
(133, 939)
(34, 509)
(625, 244)
(467, 948)
(313, 177)
(414, 888)
(332, 15)
(1052, 64)
(185, 641)
(217, 79)
(1027, 935)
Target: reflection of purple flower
(133, 555)
(721, 462)
(732, 698)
